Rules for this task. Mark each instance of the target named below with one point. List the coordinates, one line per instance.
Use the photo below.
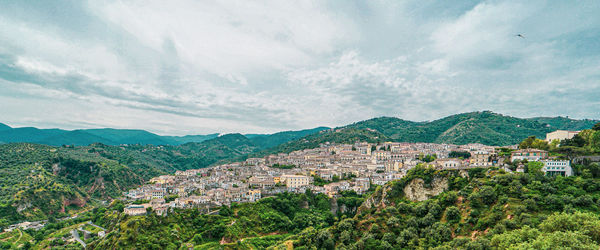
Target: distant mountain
(109, 136)
(4, 127)
(475, 127)
(28, 134)
(265, 141)
(190, 138)
(338, 135)
(565, 123)
(128, 136)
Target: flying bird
(521, 36)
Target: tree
(532, 142)
(452, 214)
(534, 167)
(459, 154)
(596, 127)
(576, 141)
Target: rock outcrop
(417, 191)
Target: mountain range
(110, 136)
(483, 127)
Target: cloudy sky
(193, 67)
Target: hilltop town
(329, 169)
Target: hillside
(190, 138)
(38, 181)
(339, 135)
(486, 210)
(271, 140)
(565, 123)
(4, 127)
(109, 136)
(476, 209)
(127, 136)
(476, 127)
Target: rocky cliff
(416, 190)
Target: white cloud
(185, 66)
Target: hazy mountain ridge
(110, 136)
(475, 127)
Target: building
(448, 163)
(480, 159)
(560, 135)
(253, 195)
(554, 167)
(135, 210)
(529, 154)
(295, 181)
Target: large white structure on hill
(560, 135)
(554, 167)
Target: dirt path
(20, 235)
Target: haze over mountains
(475, 127)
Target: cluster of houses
(337, 167)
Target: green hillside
(38, 181)
(109, 136)
(271, 140)
(127, 136)
(28, 134)
(480, 210)
(4, 127)
(476, 127)
(565, 123)
(190, 138)
(339, 135)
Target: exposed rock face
(377, 199)
(416, 190)
(76, 201)
(23, 206)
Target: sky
(196, 67)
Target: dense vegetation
(272, 140)
(476, 127)
(255, 225)
(340, 135)
(38, 181)
(489, 209)
(108, 136)
(586, 142)
(485, 209)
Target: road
(75, 235)
(94, 225)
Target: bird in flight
(521, 36)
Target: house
(447, 163)
(521, 168)
(253, 195)
(295, 181)
(261, 181)
(529, 154)
(560, 135)
(135, 210)
(480, 158)
(555, 167)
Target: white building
(553, 168)
(560, 135)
